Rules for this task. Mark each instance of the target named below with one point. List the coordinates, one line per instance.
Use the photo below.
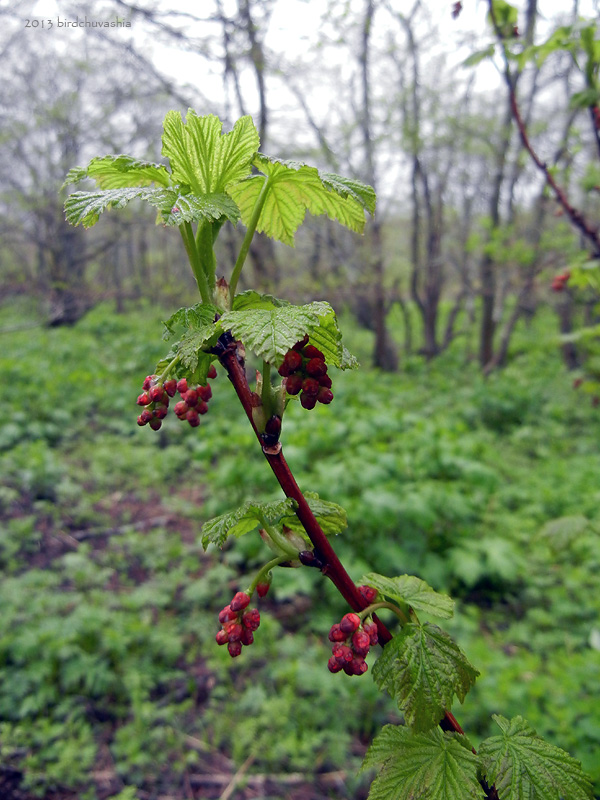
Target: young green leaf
(119, 172)
(204, 158)
(252, 299)
(244, 519)
(331, 517)
(347, 187)
(413, 591)
(251, 515)
(84, 208)
(271, 332)
(423, 669)
(296, 188)
(270, 327)
(423, 765)
(176, 207)
(199, 317)
(201, 333)
(523, 766)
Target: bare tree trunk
(487, 267)
(384, 353)
(565, 311)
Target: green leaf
(251, 515)
(587, 98)
(505, 13)
(479, 56)
(346, 187)
(201, 333)
(84, 208)
(331, 517)
(295, 189)
(523, 766)
(413, 591)
(119, 172)
(422, 766)
(246, 518)
(423, 669)
(195, 373)
(177, 208)
(252, 299)
(199, 317)
(561, 533)
(270, 330)
(204, 158)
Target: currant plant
(213, 179)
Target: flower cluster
(305, 373)
(155, 400)
(352, 641)
(238, 624)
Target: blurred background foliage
(460, 449)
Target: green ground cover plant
(487, 470)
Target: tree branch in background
(575, 215)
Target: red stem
(331, 566)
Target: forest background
(461, 450)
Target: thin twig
(230, 788)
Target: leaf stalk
(187, 234)
(250, 231)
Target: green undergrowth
(487, 489)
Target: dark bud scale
(239, 623)
(155, 400)
(352, 641)
(272, 431)
(305, 373)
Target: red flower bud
(313, 352)
(349, 623)
(293, 384)
(240, 601)
(336, 634)
(361, 642)
(156, 393)
(300, 345)
(222, 637)
(227, 615)
(234, 631)
(205, 393)
(251, 619)
(325, 396)
(235, 649)
(316, 368)
(247, 636)
(171, 387)
(190, 397)
(333, 665)
(262, 588)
